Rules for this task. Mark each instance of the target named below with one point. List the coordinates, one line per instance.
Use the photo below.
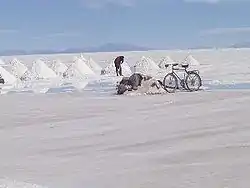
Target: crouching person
(132, 83)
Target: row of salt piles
(40, 70)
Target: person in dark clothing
(135, 81)
(1, 80)
(131, 83)
(118, 68)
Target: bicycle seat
(185, 65)
(175, 64)
(166, 66)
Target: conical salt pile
(111, 71)
(91, 64)
(153, 64)
(94, 66)
(165, 61)
(18, 69)
(146, 66)
(8, 78)
(2, 62)
(79, 69)
(58, 67)
(191, 61)
(41, 71)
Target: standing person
(118, 68)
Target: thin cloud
(131, 3)
(8, 31)
(221, 31)
(215, 1)
(103, 3)
(59, 35)
(64, 34)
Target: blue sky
(58, 24)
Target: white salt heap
(91, 64)
(111, 71)
(18, 69)
(79, 69)
(146, 66)
(148, 87)
(8, 77)
(165, 61)
(94, 66)
(41, 71)
(2, 62)
(58, 67)
(191, 61)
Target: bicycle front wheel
(170, 83)
(193, 81)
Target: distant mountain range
(241, 45)
(109, 47)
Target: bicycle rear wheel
(193, 81)
(170, 83)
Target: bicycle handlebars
(184, 66)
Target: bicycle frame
(179, 69)
(182, 81)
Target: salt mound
(41, 71)
(146, 66)
(2, 62)
(92, 64)
(191, 61)
(110, 69)
(8, 77)
(18, 69)
(79, 69)
(165, 61)
(58, 67)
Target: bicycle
(173, 78)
